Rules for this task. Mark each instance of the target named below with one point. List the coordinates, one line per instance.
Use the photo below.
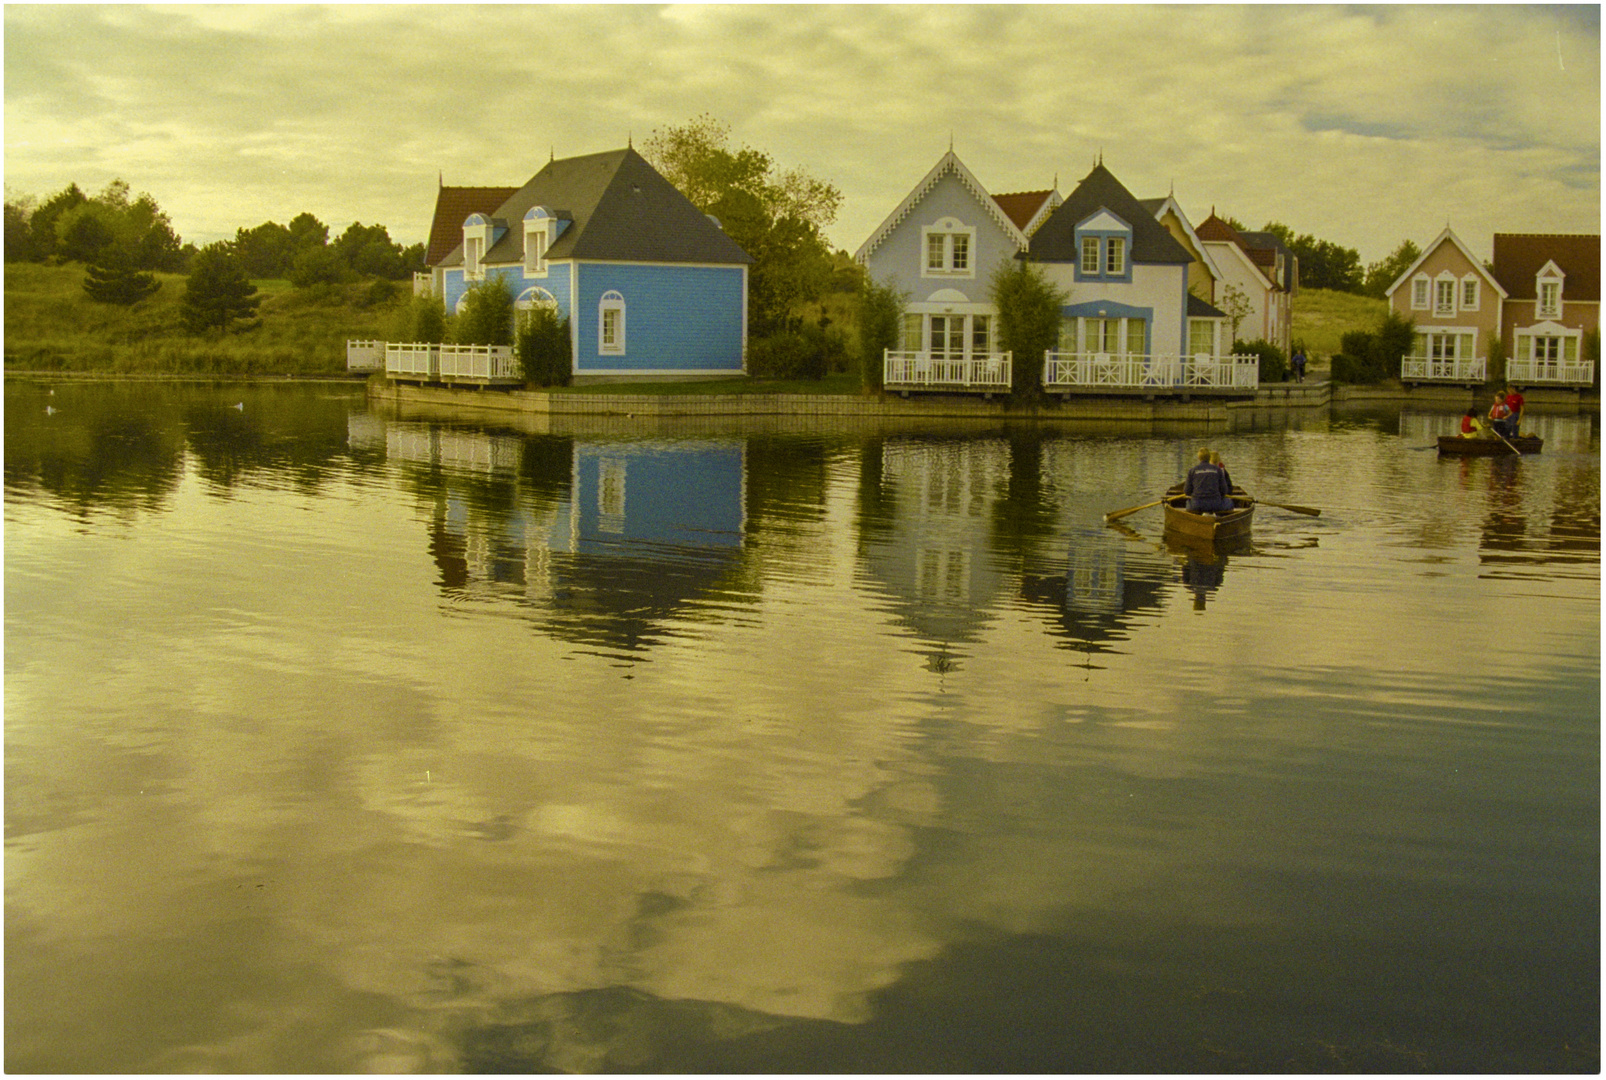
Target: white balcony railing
(1471, 369)
(365, 355)
(1064, 372)
(487, 363)
(414, 360)
(976, 373)
(1551, 372)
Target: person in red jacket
(1514, 402)
(1499, 414)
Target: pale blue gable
(900, 258)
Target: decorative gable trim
(1169, 203)
(1472, 260)
(948, 163)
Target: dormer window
(1547, 292)
(1115, 256)
(476, 242)
(537, 238)
(949, 249)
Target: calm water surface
(343, 740)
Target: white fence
(365, 355)
(1473, 369)
(452, 363)
(983, 373)
(1067, 372)
(482, 363)
(1550, 373)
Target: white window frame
(1553, 309)
(1471, 294)
(941, 245)
(1209, 328)
(1114, 256)
(476, 244)
(1421, 293)
(537, 238)
(612, 301)
(1442, 285)
(1092, 256)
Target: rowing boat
(1459, 447)
(1179, 519)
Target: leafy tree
(114, 278)
(1028, 320)
(1372, 356)
(777, 216)
(1237, 306)
(1380, 275)
(84, 231)
(880, 319)
(1322, 263)
(217, 292)
(543, 346)
(267, 251)
(486, 315)
(20, 243)
(307, 231)
(317, 266)
(422, 318)
(42, 223)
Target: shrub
(421, 318)
(486, 317)
(1372, 356)
(880, 317)
(543, 346)
(807, 353)
(1273, 364)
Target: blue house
(652, 286)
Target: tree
(42, 223)
(217, 292)
(316, 266)
(20, 243)
(1028, 320)
(1380, 275)
(1322, 263)
(113, 278)
(266, 251)
(880, 319)
(776, 216)
(486, 315)
(369, 252)
(1237, 306)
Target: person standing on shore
(1299, 364)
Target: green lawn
(1322, 317)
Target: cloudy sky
(1364, 126)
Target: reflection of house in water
(932, 558)
(1109, 583)
(600, 542)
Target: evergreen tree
(113, 278)
(217, 291)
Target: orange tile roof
(1021, 206)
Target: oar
(1311, 510)
(1503, 439)
(1113, 514)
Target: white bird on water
(240, 406)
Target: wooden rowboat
(1457, 446)
(1180, 520)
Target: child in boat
(1499, 414)
(1473, 427)
(1206, 487)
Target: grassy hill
(1322, 317)
(51, 324)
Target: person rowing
(1207, 487)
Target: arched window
(531, 299)
(611, 323)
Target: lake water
(349, 740)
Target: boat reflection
(1203, 563)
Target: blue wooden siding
(636, 500)
(555, 281)
(677, 318)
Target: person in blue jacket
(1206, 487)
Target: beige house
(1257, 278)
(1552, 290)
(1456, 303)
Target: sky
(1364, 126)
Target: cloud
(231, 115)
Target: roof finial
(441, 177)
(552, 153)
(950, 140)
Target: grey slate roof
(621, 209)
(1055, 239)
(1203, 309)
